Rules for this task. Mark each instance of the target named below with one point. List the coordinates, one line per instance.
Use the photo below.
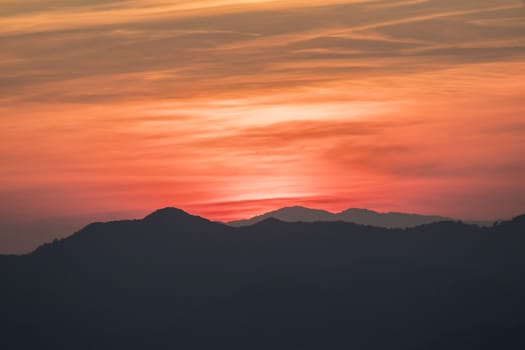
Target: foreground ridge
(177, 280)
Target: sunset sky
(228, 108)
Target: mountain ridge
(180, 281)
(353, 215)
(172, 221)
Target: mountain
(174, 280)
(354, 215)
(289, 214)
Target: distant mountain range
(354, 215)
(178, 281)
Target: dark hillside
(173, 280)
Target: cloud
(240, 103)
(253, 46)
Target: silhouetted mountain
(357, 216)
(173, 280)
(289, 214)
(174, 216)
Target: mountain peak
(174, 215)
(288, 214)
(167, 213)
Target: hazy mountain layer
(357, 216)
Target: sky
(111, 109)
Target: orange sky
(227, 109)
